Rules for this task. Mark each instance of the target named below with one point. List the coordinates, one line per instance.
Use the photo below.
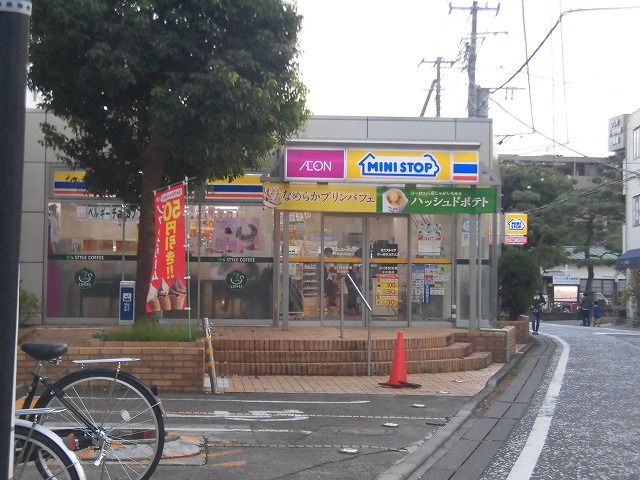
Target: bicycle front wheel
(115, 419)
(38, 452)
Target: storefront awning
(629, 259)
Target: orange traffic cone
(398, 375)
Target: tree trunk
(152, 172)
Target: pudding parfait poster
(167, 290)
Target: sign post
(127, 302)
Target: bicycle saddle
(44, 351)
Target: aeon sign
(314, 164)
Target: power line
(526, 55)
(566, 12)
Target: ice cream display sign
(84, 278)
(167, 290)
(314, 164)
(236, 280)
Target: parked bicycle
(38, 451)
(111, 419)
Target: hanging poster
(430, 240)
(167, 290)
(236, 234)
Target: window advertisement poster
(429, 239)
(233, 234)
(167, 290)
(386, 286)
(427, 280)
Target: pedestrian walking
(585, 309)
(597, 313)
(538, 303)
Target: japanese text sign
(445, 200)
(412, 166)
(320, 198)
(515, 224)
(167, 290)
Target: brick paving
(464, 383)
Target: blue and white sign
(127, 302)
(427, 294)
(398, 166)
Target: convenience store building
(407, 206)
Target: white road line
(528, 458)
(246, 430)
(311, 402)
(632, 334)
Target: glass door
(342, 256)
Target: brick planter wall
(172, 367)
(501, 342)
(522, 328)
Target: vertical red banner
(168, 284)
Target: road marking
(528, 458)
(291, 413)
(241, 430)
(236, 463)
(224, 453)
(311, 402)
(632, 334)
(251, 416)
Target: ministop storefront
(407, 207)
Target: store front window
(235, 266)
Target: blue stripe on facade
(236, 188)
(69, 185)
(465, 168)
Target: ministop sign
(515, 223)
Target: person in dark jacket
(538, 303)
(585, 309)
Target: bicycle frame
(38, 379)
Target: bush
(152, 332)
(519, 279)
(29, 307)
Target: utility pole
(14, 38)
(471, 53)
(438, 63)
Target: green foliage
(151, 332)
(526, 189)
(213, 83)
(519, 279)
(29, 306)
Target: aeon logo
(315, 166)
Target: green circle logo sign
(236, 280)
(85, 278)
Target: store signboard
(412, 166)
(246, 187)
(314, 164)
(443, 200)
(364, 199)
(515, 224)
(320, 198)
(167, 290)
(69, 183)
(565, 280)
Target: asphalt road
(278, 436)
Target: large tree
(535, 189)
(156, 90)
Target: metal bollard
(210, 361)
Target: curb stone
(407, 466)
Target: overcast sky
(361, 57)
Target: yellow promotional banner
(412, 166)
(320, 198)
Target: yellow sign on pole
(515, 228)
